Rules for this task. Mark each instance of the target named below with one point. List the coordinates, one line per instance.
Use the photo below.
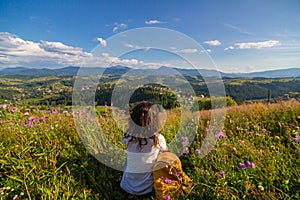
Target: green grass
(49, 161)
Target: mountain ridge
(163, 70)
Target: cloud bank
(15, 51)
(254, 45)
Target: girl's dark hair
(144, 123)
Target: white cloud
(208, 50)
(134, 46)
(257, 45)
(229, 48)
(188, 50)
(213, 42)
(118, 27)
(254, 45)
(15, 52)
(154, 21)
(102, 41)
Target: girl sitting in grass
(143, 143)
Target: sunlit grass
(47, 160)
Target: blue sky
(239, 36)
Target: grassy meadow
(257, 155)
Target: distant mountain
(280, 73)
(86, 71)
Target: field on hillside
(257, 155)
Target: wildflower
(12, 110)
(55, 113)
(250, 132)
(248, 163)
(277, 152)
(225, 143)
(242, 165)
(184, 143)
(46, 117)
(221, 135)
(252, 165)
(297, 139)
(168, 181)
(257, 134)
(30, 123)
(222, 173)
(185, 150)
(168, 197)
(263, 130)
(31, 119)
(178, 173)
(1, 121)
(49, 112)
(41, 119)
(197, 151)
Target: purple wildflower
(178, 173)
(297, 139)
(168, 181)
(41, 119)
(168, 197)
(31, 119)
(12, 110)
(250, 132)
(252, 165)
(185, 150)
(277, 152)
(197, 151)
(55, 113)
(184, 143)
(30, 123)
(242, 165)
(225, 143)
(263, 130)
(257, 134)
(1, 121)
(248, 163)
(222, 173)
(221, 135)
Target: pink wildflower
(222, 173)
(185, 150)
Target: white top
(137, 178)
